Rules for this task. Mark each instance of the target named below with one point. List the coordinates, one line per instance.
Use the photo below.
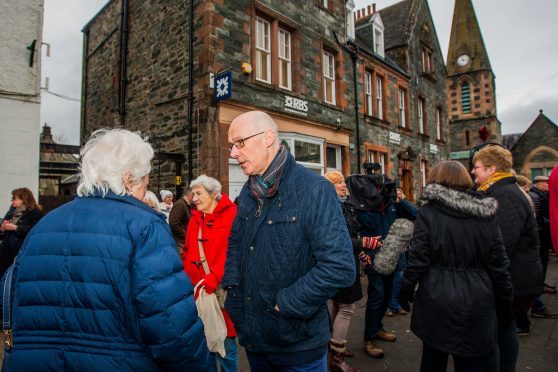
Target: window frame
(465, 97)
(260, 50)
(290, 138)
(424, 169)
(380, 96)
(439, 131)
(281, 59)
(402, 106)
(337, 149)
(368, 93)
(421, 111)
(427, 60)
(329, 80)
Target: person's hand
(8, 227)
(406, 296)
(371, 242)
(365, 260)
(210, 284)
(277, 308)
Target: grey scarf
(18, 213)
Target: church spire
(466, 51)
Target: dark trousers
(436, 361)
(508, 345)
(260, 363)
(379, 296)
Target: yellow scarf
(492, 179)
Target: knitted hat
(165, 193)
(334, 176)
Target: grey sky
(518, 35)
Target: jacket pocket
(278, 330)
(235, 308)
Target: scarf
(493, 179)
(18, 213)
(266, 185)
(342, 199)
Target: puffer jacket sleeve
(497, 268)
(168, 319)
(419, 255)
(334, 267)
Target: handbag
(220, 293)
(214, 326)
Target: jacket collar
(125, 199)
(223, 204)
(460, 201)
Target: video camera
(371, 190)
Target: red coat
(553, 206)
(216, 228)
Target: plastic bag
(211, 315)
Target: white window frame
(420, 110)
(368, 92)
(380, 157)
(325, 4)
(423, 165)
(285, 54)
(290, 138)
(350, 6)
(402, 111)
(337, 157)
(438, 123)
(379, 97)
(329, 75)
(378, 35)
(263, 48)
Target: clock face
(463, 60)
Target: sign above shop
(433, 149)
(223, 86)
(394, 138)
(459, 155)
(296, 106)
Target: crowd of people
(114, 280)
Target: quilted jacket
(99, 287)
(296, 254)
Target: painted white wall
(21, 22)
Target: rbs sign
(296, 106)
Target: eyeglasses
(239, 143)
(479, 166)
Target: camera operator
(375, 224)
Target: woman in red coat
(215, 214)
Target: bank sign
(223, 86)
(295, 106)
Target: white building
(21, 29)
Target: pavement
(537, 352)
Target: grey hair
(212, 186)
(108, 157)
(152, 199)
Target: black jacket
(459, 261)
(354, 292)
(520, 235)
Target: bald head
(254, 139)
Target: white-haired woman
(211, 223)
(97, 283)
(151, 200)
(166, 204)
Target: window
(380, 157)
(378, 40)
(307, 150)
(427, 60)
(350, 20)
(465, 98)
(421, 115)
(423, 173)
(368, 92)
(402, 112)
(285, 59)
(333, 157)
(263, 51)
(438, 123)
(329, 77)
(379, 97)
(325, 3)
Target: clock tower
(470, 84)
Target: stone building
(21, 38)
(143, 70)
(536, 152)
(471, 87)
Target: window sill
(424, 136)
(376, 121)
(441, 142)
(405, 130)
(429, 76)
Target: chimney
(373, 8)
(46, 135)
(368, 8)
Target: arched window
(465, 98)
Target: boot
(337, 361)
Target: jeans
(437, 361)
(379, 295)
(259, 363)
(394, 303)
(230, 362)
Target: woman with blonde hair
(459, 262)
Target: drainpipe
(123, 55)
(84, 80)
(191, 92)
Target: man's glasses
(479, 166)
(239, 143)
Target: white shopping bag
(213, 320)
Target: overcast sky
(520, 37)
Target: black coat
(13, 240)
(520, 235)
(354, 292)
(459, 261)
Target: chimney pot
(368, 8)
(374, 8)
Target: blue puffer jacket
(296, 254)
(99, 287)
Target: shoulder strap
(7, 299)
(202, 254)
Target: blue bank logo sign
(223, 86)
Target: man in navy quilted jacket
(289, 252)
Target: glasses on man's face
(479, 166)
(239, 143)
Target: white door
(237, 179)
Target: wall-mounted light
(246, 68)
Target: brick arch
(526, 167)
